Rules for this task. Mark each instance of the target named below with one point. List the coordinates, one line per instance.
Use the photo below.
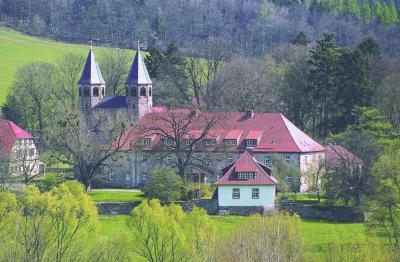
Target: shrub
(164, 185)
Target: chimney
(250, 113)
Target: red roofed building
(336, 154)
(18, 150)
(246, 182)
(268, 134)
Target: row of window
(96, 91)
(208, 142)
(245, 175)
(26, 152)
(128, 176)
(133, 91)
(25, 142)
(255, 193)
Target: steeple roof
(138, 74)
(91, 72)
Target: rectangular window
(168, 142)
(144, 176)
(207, 161)
(287, 159)
(128, 176)
(188, 141)
(230, 142)
(31, 152)
(111, 176)
(251, 142)
(245, 175)
(211, 142)
(230, 160)
(19, 153)
(255, 193)
(235, 193)
(127, 159)
(267, 160)
(169, 159)
(146, 141)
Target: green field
(317, 234)
(17, 49)
(115, 196)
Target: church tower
(92, 87)
(138, 88)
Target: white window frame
(111, 176)
(168, 141)
(235, 193)
(128, 176)
(251, 142)
(255, 193)
(287, 159)
(230, 160)
(169, 159)
(211, 142)
(144, 176)
(146, 141)
(267, 160)
(231, 142)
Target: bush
(164, 185)
(197, 191)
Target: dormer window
(168, 141)
(189, 141)
(211, 142)
(245, 175)
(145, 141)
(251, 142)
(230, 142)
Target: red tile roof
(254, 134)
(9, 133)
(234, 134)
(336, 154)
(278, 134)
(247, 163)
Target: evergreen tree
(324, 77)
(353, 8)
(300, 39)
(366, 11)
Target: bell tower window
(96, 91)
(87, 92)
(80, 92)
(149, 91)
(143, 91)
(102, 91)
(134, 91)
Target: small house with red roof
(19, 150)
(246, 182)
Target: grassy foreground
(17, 49)
(317, 234)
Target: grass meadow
(17, 49)
(115, 196)
(317, 234)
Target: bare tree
(115, 66)
(88, 143)
(178, 139)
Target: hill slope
(17, 49)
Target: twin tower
(138, 89)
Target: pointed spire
(138, 74)
(91, 72)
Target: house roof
(335, 154)
(112, 102)
(138, 74)
(91, 73)
(9, 133)
(279, 135)
(247, 163)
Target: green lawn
(17, 49)
(317, 234)
(115, 196)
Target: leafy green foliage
(165, 185)
(385, 202)
(287, 175)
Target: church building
(266, 135)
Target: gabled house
(18, 150)
(246, 182)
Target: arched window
(87, 92)
(133, 106)
(143, 91)
(96, 91)
(103, 91)
(149, 91)
(80, 92)
(134, 91)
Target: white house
(246, 182)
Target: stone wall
(116, 208)
(210, 205)
(329, 213)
